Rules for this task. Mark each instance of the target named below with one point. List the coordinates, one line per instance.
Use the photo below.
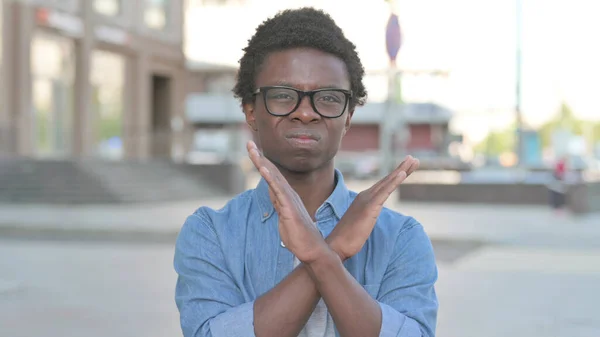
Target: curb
(86, 234)
(70, 234)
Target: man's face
(302, 141)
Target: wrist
(336, 247)
(321, 268)
(336, 244)
(327, 258)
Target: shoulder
(395, 230)
(234, 213)
(391, 223)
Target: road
(95, 288)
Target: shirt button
(266, 214)
(282, 244)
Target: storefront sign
(64, 22)
(111, 35)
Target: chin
(303, 165)
(299, 163)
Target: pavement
(443, 221)
(520, 271)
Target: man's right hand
(355, 227)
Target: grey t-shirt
(320, 323)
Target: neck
(313, 187)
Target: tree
(504, 141)
(497, 142)
(565, 119)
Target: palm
(358, 222)
(290, 214)
(296, 228)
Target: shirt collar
(336, 203)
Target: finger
(254, 155)
(401, 175)
(415, 166)
(274, 200)
(274, 185)
(383, 180)
(251, 144)
(272, 197)
(384, 193)
(259, 160)
(404, 166)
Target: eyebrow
(287, 84)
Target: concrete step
(95, 181)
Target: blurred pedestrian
(558, 186)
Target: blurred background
(117, 121)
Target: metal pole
(386, 125)
(518, 113)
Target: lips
(304, 135)
(303, 139)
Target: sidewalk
(500, 224)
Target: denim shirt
(225, 259)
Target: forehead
(304, 69)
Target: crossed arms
(211, 304)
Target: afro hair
(298, 28)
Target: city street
(519, 271)
(101, 288)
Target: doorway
(161, 117)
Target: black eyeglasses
(281, 101)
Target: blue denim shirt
(225, 259)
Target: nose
(305, 112)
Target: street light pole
(518, 113)
(386, 125)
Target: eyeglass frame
(301, 94)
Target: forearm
(285, 309)
(353, 310)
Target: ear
(250, 117)
(348, 123)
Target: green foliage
(565, 119)
(497, 142)
(503, 141)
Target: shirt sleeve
(209, 302)
(407, 296)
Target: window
(52, 76)
(71, 6)
(1, 36)
(199, 3)
(3, 128)
(108, 7)
(108, 84)
(156, 13)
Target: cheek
(265, 134)
(337, 131)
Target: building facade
(220, 131)
(92, 78)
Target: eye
(330, 97)
(281, 95)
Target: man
(301, 255)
